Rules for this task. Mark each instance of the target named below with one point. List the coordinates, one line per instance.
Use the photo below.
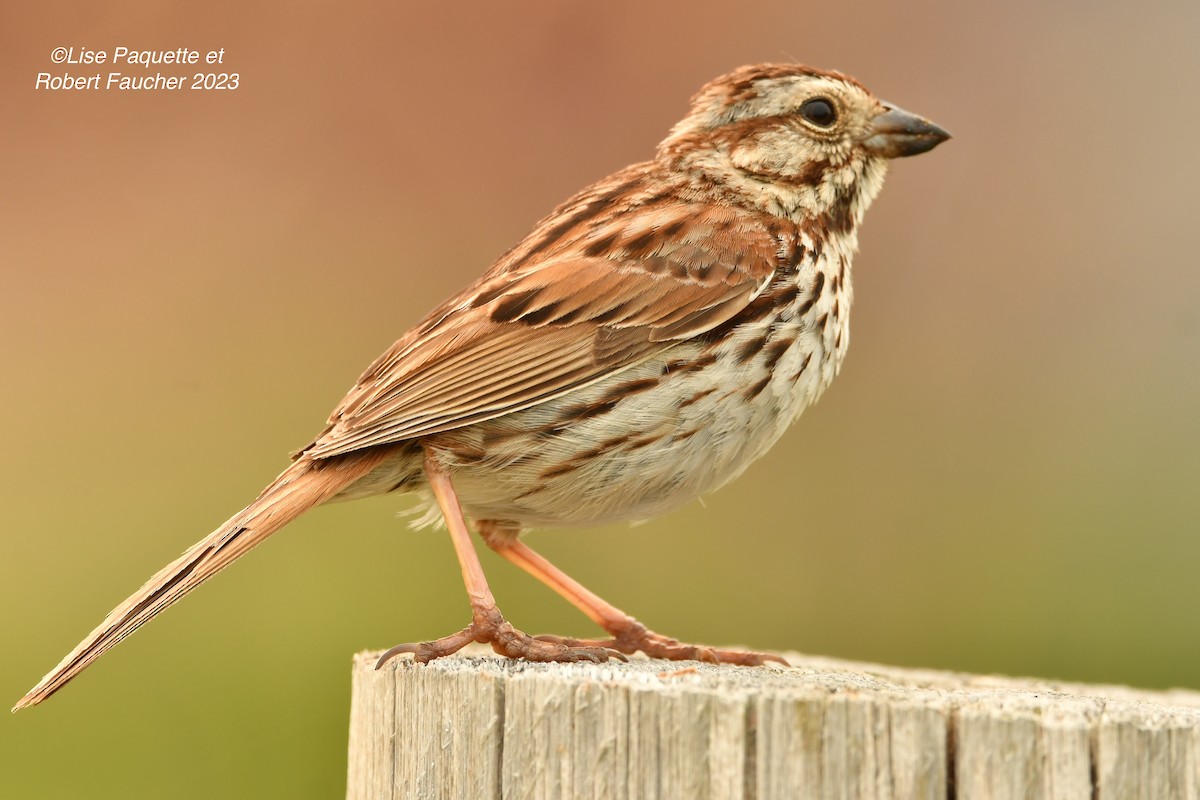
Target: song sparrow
(647, 341)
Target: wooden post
(479, 727)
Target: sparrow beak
(895, 133)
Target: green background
(1004, 478)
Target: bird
(643, 345)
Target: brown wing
(533, 332)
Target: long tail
(303, 485)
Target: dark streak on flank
(534, 490)
(559, 471)
(605, 404)
(465, 453)
(697, 397)
(818, 284)
(622, 390)
(755, 390)
(674, 365)
(787, 295)
(582, 412)
(758, 309)
(700, 362)
(775, 351)
(493, 436)
(587, 455)
(750, 349)
(644, 441)
(798, 254)
(803, 366)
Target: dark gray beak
(895, 133)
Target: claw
(425, 652)
(399, 649)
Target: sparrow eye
(819, 112)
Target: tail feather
(303, 485)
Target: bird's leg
(487, 623)
(628, 635)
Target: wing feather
(526, 334)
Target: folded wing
(524, 336)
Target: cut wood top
(821, 728)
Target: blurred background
(1005, 478)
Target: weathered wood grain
(476, 726)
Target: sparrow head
(802, 140)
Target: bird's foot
(631, 636)
(489, 626)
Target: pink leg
(628, 634)
(487, 623)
